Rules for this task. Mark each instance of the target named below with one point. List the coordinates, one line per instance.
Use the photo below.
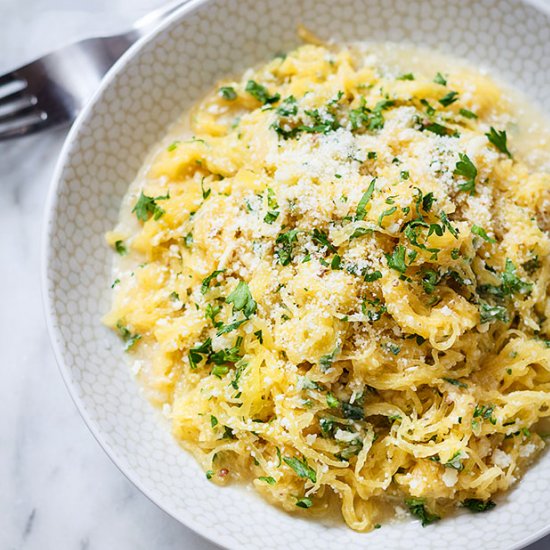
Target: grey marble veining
(58, 489)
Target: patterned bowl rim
(54, 332)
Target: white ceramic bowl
(145, 92)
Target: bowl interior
(146, 92)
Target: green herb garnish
(467, 114)
(301, 468)
(284, 251)
(466, 168)
(499, 139)
(361, 212)
(326, 360)
(396, 260)
(321, 239)
(205, 285)
(304, 502)
(511, 283)
(228, 92)
(479, 231)
(120, 248)
(448, 99)
(476, 505)
(241, 298)
(489, 313)
(417, 508)
(129, 338)
(146, 207)
(261, 93)
(269, 480)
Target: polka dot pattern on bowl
(144, 94)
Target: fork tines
(18, 108)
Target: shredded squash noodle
(335, 286)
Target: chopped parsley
(373, 276)
(446, 223)
(242, 300)
(476, 505)
(430, 111)
(376, 121)
(326, 360)
(129, 338)
(219, 370)
(228, 355)
(511, 283)
(499, 139)
(322, 122)
(120, 248)
(261, 93)
(271, 216)
(367, 195)
(456, 461)
(396, 260)
(304, 502)
(269, 480)
(288, 107)
(430, 279)
(479, 231)
(351, 450)
(489, 313)
(388, 212)
(238, 373)
(456, 382)
(195, 354)
(231, 327)
(449, 99)
(483, 412)
(272, 204)
(332, 401)
(437, 129)
(211, 312)
(321, 239)
(353, 411)
(301, 468)
(205, 192)
(146, 207)
(467, 114)
(205, 285)
(284, 250)
(372, 119)
(407, 76)
(466, 168)
(373, 314)
(440, 79)
(228, 92)
(417, 508)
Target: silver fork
(52, 90)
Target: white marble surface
(58, 489)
